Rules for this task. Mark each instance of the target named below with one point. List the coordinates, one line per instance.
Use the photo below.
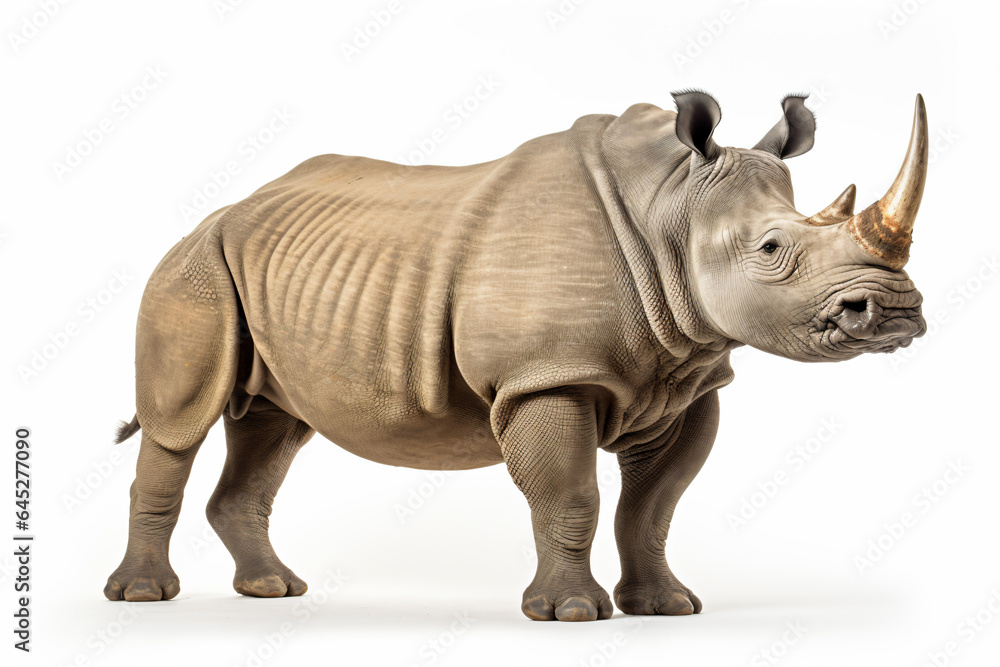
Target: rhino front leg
(260, 448)
(549, 443)
(653, 479)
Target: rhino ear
(794, 134)
(697, 115)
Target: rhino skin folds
(581, 293)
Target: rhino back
(390, 303)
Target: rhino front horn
(885, 228)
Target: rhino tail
(126, 430)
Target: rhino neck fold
(657, 269)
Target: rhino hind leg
(187, 341)
(260, 447)
(145, 574)
(653, 480)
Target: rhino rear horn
(841, 209)
(697, 116)
(794, 134)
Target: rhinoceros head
(814, 288)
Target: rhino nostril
(857, 318)
(858, 306)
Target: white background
(900, 422)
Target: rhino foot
(667, 598)
(268, 582)
(583, 603)
(142, 580)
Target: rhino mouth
(870, 319)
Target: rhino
(582, 293)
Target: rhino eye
(769, 247)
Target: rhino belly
(384, 427)
(349, 306)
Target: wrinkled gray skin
(581, 293)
